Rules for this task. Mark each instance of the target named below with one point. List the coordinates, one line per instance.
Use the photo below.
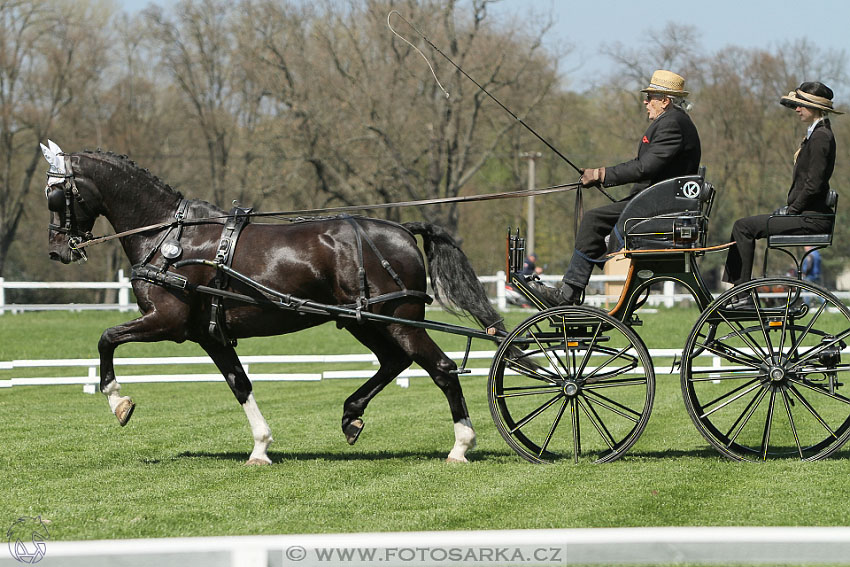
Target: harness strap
(236, 221)
(179, 216)
(360, 235)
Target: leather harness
(237, 219)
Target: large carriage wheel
(778, 385)
(571, 382)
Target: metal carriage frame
(583, 385)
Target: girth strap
(236, 221)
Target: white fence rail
(124, 287)
(581, 546)
(668, 297)
(250, 363)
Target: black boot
(564, 295)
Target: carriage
(568, 382)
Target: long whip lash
(485, 91)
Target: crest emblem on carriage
(55, 157)
(27, 539)
(691, 189)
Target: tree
(47, 57)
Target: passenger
(813, 165)
(670, 147)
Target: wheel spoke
(755, 384)
(768, 422)
(530, 373)
(597, 423)
(811, 409)
(820, 348)
(785, 400)
(805, 333)
(743, 358)
(553, 427)
(540, 409)
(528, 391)
(611, 405)
(714, 376)
(745, 416)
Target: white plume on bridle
(55, 157)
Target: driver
(670, 147)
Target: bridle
(66, 196)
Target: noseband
(72, 200)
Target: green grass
(177, 468)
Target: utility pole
(529, 239)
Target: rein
(303, 212)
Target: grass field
(177, 468)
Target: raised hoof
(124, 411)
(453, 460)
(352, 430)
(255, 462)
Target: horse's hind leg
(425, 352)
(392, 359)
(227, 361)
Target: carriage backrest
(670, 214)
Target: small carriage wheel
(571, 382)
(778, 385)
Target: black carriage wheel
(778, 385)
(571, 382)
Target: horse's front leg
(147, 328)
(227, 361)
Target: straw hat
(666, 83)
(811, 95)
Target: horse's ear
(54, 147)
(49, 155)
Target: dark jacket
(669, 148)
(812, 171)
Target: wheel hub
(776, 373)
(570, 388)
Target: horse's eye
(56, 200)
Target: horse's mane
(124, 162)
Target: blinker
(56, 199)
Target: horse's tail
(455, 284)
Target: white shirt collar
(813, 126)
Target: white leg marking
(113, 395)
(260, 430)
(464, 441)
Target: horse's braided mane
(125, 161)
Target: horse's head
(74, 203)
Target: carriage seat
(785, 242)
(671, 214)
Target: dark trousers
(745, 232)
(591, 247)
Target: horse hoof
(352, 430)
(454, 460)
(124, 411)
(255, 462)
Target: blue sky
(589, 24)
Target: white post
(669, 292)
(123, 291)
(501, 299)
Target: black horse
(317, 260)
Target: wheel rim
(571, 382)
(776, 386)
